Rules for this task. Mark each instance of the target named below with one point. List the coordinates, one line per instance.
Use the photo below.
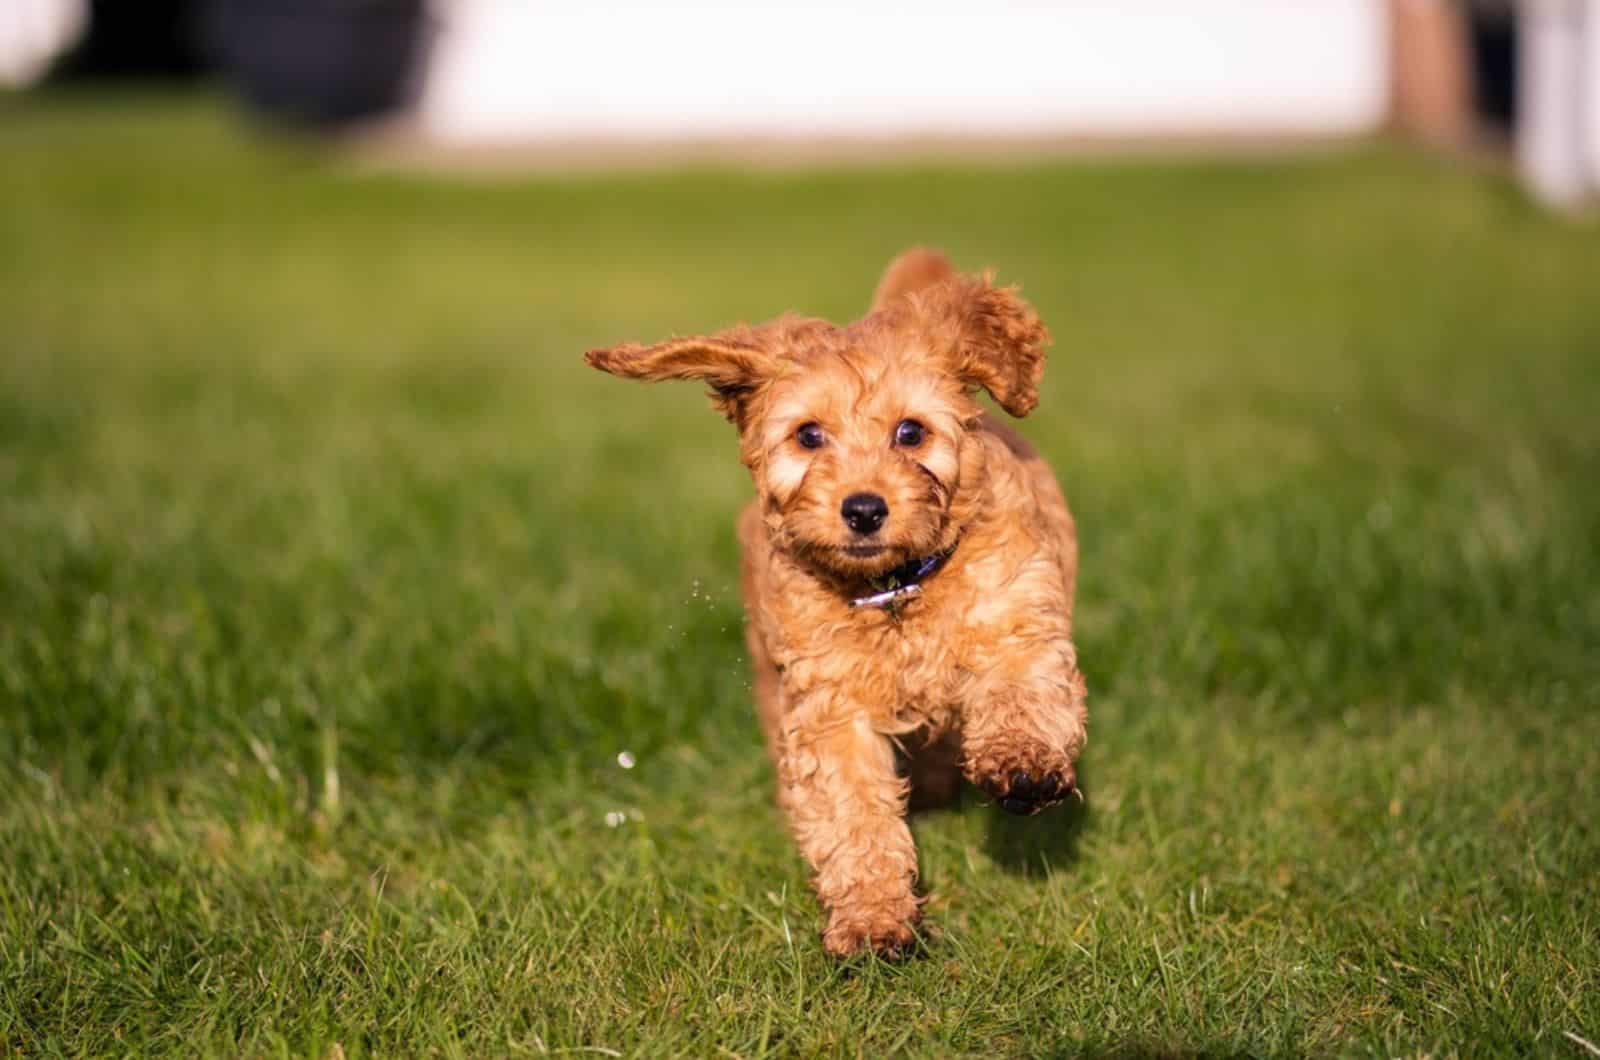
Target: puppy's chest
(924, 667)
(919, 664)
(907, 668)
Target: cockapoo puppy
(908, 572)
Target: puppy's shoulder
(1009, 439)
(1010, 452)
(1025, 481)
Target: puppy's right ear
(734, 366)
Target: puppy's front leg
(846, 805)
(1023, 728)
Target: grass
(332, 586)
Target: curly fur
(978, 674)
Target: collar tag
(903, 583)
(887, 599)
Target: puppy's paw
(1023, 751)
(887, 930)
(1030, 789)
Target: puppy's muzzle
(864, 512)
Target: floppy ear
(733, 365)
(994, 338)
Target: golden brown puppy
(908, 571)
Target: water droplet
(625, 760)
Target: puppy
(908, 572)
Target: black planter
(321, 62)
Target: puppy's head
(859, 437)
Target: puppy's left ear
(994, 338)
(733, 364)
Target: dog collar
(903, 583)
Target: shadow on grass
(1031, 846)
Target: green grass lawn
(332, 586)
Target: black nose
(864, 512)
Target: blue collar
(896, 586)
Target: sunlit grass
(332, 585)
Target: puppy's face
(857, 452)
(859, 437)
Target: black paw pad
(1027, 794)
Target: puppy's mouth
(865, 559)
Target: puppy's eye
(909, 434)
(809, 436)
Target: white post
(1591, 97)
(1551, 125)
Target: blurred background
(501, 78)
(371, 671)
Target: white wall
(509, 70)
